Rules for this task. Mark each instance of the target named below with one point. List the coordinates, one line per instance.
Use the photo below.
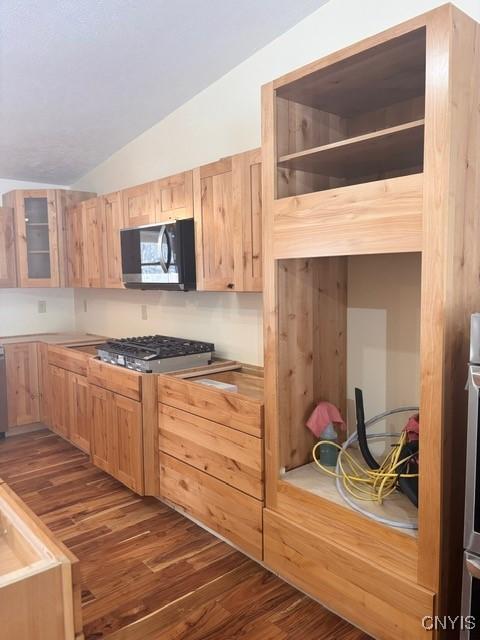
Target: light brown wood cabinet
(74, 240)
(139, 204)
(85, 242)
(77, 410)
(39, 234)
(228, 223)
(44, 383)
(8, 271)
(174, 197)
(59, 415)
(22, 384)
(113, 221)
(116, 436)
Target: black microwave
(160, 256)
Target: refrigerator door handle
(473, 566)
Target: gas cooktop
(156, 354)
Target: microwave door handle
(169, 245)
(161, 261)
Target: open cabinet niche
(345, 322)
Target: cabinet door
(139, 205)
(58, 401)
(214, 226)
(102, 436)
(127, 426)
(22, 384)
(44, 383)
(76, 276)
(228, 223)
(77, 394)
(174, 197)
(94, 234)
(113, 221)
(8, 272)
(37, 234)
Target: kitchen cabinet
(228, 223)
(22, 384)
(77, 410)
(75, 247)
(8, 271)
(59, 418)
(39, 234)
(113, 221)
(44, 383)
(85, 238)
(116, 436)
(139, 204)
(174, 197)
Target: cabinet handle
(230, 285)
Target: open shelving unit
(371, 188)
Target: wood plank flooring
(148, 573)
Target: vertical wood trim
(269, 302)
(197, 215)
(150, 435)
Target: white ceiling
(79, 79)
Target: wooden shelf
(391, 149)
(310, 478)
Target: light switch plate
(42, 306)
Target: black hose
(362, 432)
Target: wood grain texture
(8, 270)
(174, 197)
(94, 242)
(75, 247)
(117, 379)
(147, 572)
(70, 359)
(224, 453)
(139, 204)
(232, 409)
(113, 221)
(78, 416)
(23, 394)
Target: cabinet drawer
(69, 359)
(222, 508)
(232, 409)
(108, 376)
(222, 452)
(384, 605)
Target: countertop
(55, 338)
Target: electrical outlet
(42, 306)
(85, 306)
(144, 312)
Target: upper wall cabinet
(174, 197)
(113, 220)
(85, 241)
(39, 234)
(75, 249)
(228, 223)
(139, 205)
(8, 274)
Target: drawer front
(108, 376)
(377, 601)
(222, 452)
(231, 409)
(229, 512)
(69, 359)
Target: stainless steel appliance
(3, 394)
(471, 569)
(156, 354)
(160, 256)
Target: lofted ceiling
(79, 79)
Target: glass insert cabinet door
(37, 229)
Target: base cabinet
(77, 412)
(59, 421)
(23, 395)
(116, 436)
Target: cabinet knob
(230, 285)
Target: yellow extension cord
(364, 483)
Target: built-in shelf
(388, 149)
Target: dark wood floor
(140, 558)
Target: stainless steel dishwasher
(3, 394)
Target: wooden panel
(8, 272)
(43, 383)
(113, 221)
(94, 235)
(75, 248)
(69, 359)
(377, 217)
(232, 409)
(174, 197)
(102, 445)
(150, 405)
(388, 606)
(222, 452)
(78, 417)
(139, 205)
(59, 401)
(126, 427)
(22, 384)
(231, 513)
(126, 383)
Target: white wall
(19, 307)
(225, 119)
